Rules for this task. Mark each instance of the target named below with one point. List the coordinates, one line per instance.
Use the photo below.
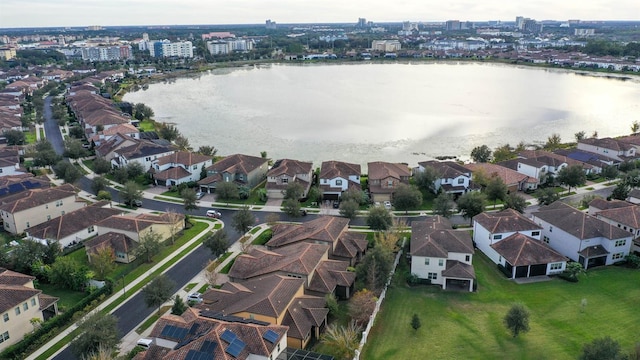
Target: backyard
(469, 325)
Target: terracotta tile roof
(46, 300)
(505, 221)
(184, 158)
(72, 222)
(210, 179)
(577, 223)
(630, 139)
(268, 296)
(551, 159)
(629, 216)
(203, 334)
(238, 164)
(121, 128)
(604, 204)
(8, 277)
(324, 228)
(607, 143)
(142, 148)
(350, 244)
(460, 270)
(634, 193)
(36, 197)
(335, 169)
(380, 170)
(14, 295)
(290, 167)
(508, 176)
(22, 182)
(305, 313)
(431, 242)
(176, 172)
(521, 250)
(446, 169)
(300, 258)
(330, 274)
(118, 242)
(133, 224)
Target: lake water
(388, 112)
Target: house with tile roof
(303, 260)
(275, 299)
(599, 204)
(625, 218)
(522, 256)
(583, 238)
(442, 255)
(19, 183)
(453, 178)
(30, 208)
(551, 163)
(384, 178)
(243, 170)
(337, 177)
(608, 147)
(144, 152)
(285, 172)
(514, 180)
(104, 135)
(492, 227)
(121, 246)
(634, 196)
(20, 302)
(107, 149)
(73, 227)
(207, 335)
(179, 167)
(330, 230)
(138, 226)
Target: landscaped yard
(469, 325)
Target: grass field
(469, 325)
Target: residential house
(514, 180)
(581, 237)
(608, 147)
(547, 163)
(625, 218)
(19, 183)
(453, 178)
(330, 230)
(598, 204)
(107, 149)
(242, 169)
(285, 172)
(138, 226)
(275, 299)
(442, 255)
(634, 196)
(179, 167)
(94, 112)
(121, 246)
(512, 240)
(20, 302)
(30, 208)
(143, 152)
(73, 227)
(104, 135)
(384, 178)
(307, 261)
(337, 177)
(207, 335)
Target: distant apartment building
(218, 35)
(386, 45)
(228, 46)
(584, 32)
(270, 25)
(166, 48)
(107, 53)
(7, 53)
(456, 25)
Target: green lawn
(68, 298)
(147, 125)
(469, 325)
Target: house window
(46, 206)
(25, 306)
(338, 182)
(4, 337)
(555, 266)
(28, 224)
(432, 276)
(5, 317)
(48, 217)
(461, 181)
(389, 182)
(33, 302)
(497, 237)
(440, 262)
(195, 167)
(545, 239)
(621, 242)
(467, 258)
(617, 256)
(426, 261)
(550, 228)
(285, 180)
(18, 310)
(535, 233)
(91, 229)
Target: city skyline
(45, 13)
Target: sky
(53, 13)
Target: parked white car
(195, 297)
(387, 205)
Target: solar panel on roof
(174, 332)
(228, 336)
(15, 187)
(208, 346)
(234, 350)
(194, 328)
(271, 336)
(198, 355)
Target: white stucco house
(337, 177)
(442, 255)
(453, 178)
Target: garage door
(537, 270)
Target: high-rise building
(362, 23)
(270, 25)
(519, 22)
(183, 49)
(386, 45)
(452, 25)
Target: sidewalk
(129, 340)
(117, 295)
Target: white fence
(372, 318)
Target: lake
(388, 112)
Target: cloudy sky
(45, 13)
